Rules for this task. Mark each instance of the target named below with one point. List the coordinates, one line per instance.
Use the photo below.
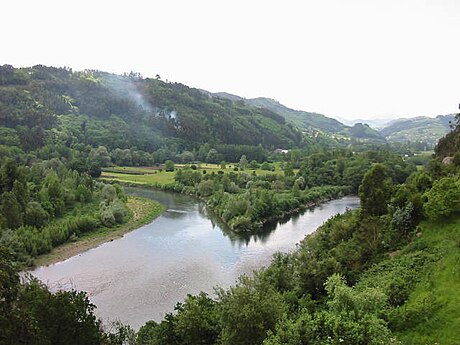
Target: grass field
(157, 175)
(162, 177)
(436, 300)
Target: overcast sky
(353, 59)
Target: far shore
(143, 212)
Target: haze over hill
(122, 111)
(309, 122)
(417, 129)
(422, 129)
(99, 108)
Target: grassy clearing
(142, 211)
(424, 276)
(151, 176)
(436, 299)
(162, 177)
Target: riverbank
(290, 205)
(143, 211)
(183, 252)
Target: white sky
(353, 59)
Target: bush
(112, 214)
(443, 198)
(169, 165)
(36, 215)
(107, 217)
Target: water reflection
(142, 275)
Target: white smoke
(173, 114)
(138, 98)
(126, 87)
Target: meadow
(152, 176)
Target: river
(142, 275)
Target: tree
(197, 321)
(52, 194)
(35, 214)
(288, 169)
(186, 157)
(213, 156)
(30, 314)
(169, 165)
(443, 198)
(375, 191)
(254, 164)
(248, 311)
(266, 166)
(99, 157)
(11, 210)
(9, 173)
(243, 162)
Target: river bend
(142, 275)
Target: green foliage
(35, 215)
(11, 210)
(375, 191)
(188, 177)
(388, 290)
(250, 209)
(213, 156)
(248, 311)
(30, 314)
(113, 213)
(443, 198)
(243, 163)
(47, 204)
(351, 317)
(120, 112)
(169, 165)
(418, 129)
(449, 145)
(197, 321)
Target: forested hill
(422, 129)
(309, 122)
(302, 119)
(98, 108)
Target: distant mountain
(418, 129)
(309, 121)
(299, 118)
(363, 131)
(373, 123)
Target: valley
(194, 217)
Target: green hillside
(363, 132)
(98, 108)
(418, 129)
(302, 119)
(308, 122)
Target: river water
(142, 275)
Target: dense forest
(365, 277)
(102, 109)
